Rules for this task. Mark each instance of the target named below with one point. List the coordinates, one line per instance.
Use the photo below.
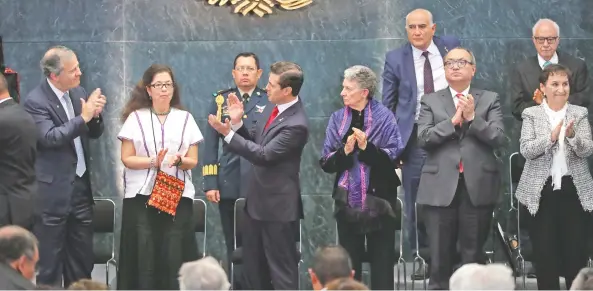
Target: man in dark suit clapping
(66, 117)
(411, 71)
(18, 149)
(273, 205)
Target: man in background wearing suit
(525, 93)
(18, 149)
(460, 128)
(411, 71)
(224, 178)
(524, 79)
(66, 117)
(274, 205)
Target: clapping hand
(556, 131)
(174, 160)
(538, 96)
(235, 107)
(361, 138)
(222, 128)
(570, 129)
(349, 147)
(468, 106)
(161, 157)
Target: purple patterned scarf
(381, 130)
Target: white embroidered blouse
(177, 134)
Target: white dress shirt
(454, 93)
(541, 61)
(559, 165)
(235, 127)
(438, 71)
(5, 99)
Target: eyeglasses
(541, 40)
(162, 85)
(460, 63)
(245, 69)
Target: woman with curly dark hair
(159, 147)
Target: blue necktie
(81, 164)
(547, 63)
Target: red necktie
(459, 95)
(272, 117)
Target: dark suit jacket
(399, 83)
(274, 191)
(10, 279)
(231, 167)
(18, 149)
(525, 79)
(56, 158)
(473, 143)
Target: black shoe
(423, 271)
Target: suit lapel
(55, 104)
(447, 99)
(282, 117)
(534, 71)
(476, 93)
(76, 105)
(409, 67)
(443, 49)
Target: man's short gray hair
(364, 77)
(203, 274)
(52, 60)
(430, 22)
(482, 277)
(544, 20)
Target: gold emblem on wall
(261, 7)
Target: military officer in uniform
(223, 173)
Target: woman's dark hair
(140, 98)
(551, 70)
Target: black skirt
(153, 246)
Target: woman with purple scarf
(361, 144)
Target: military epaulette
(210, 170)
(222, 92)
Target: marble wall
(116, 40)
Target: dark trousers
(414, 157)
(269, 254)
(459, 224)
(66, 241)
(559, 235)
(226, 208)
(379, 252)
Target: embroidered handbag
(168, 190)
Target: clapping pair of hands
(235, 108)
(172, 161)
(93, 106)
(558, 128)
(465, 110)
(357, 137)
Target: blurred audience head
(482, 277)
(329, 263)
(86, 284)
(203, 274)
(19, 250)
(584, 280)
(345, 284)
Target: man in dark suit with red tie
(273, 203)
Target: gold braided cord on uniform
(210, 170)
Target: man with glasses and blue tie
(66, 117)
(224, 174)
(525, 93)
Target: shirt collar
(3, 100)
(250, 92)
(432, 49)
(541, 61)
(57, 91)
(285, 106)
(454, 93)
